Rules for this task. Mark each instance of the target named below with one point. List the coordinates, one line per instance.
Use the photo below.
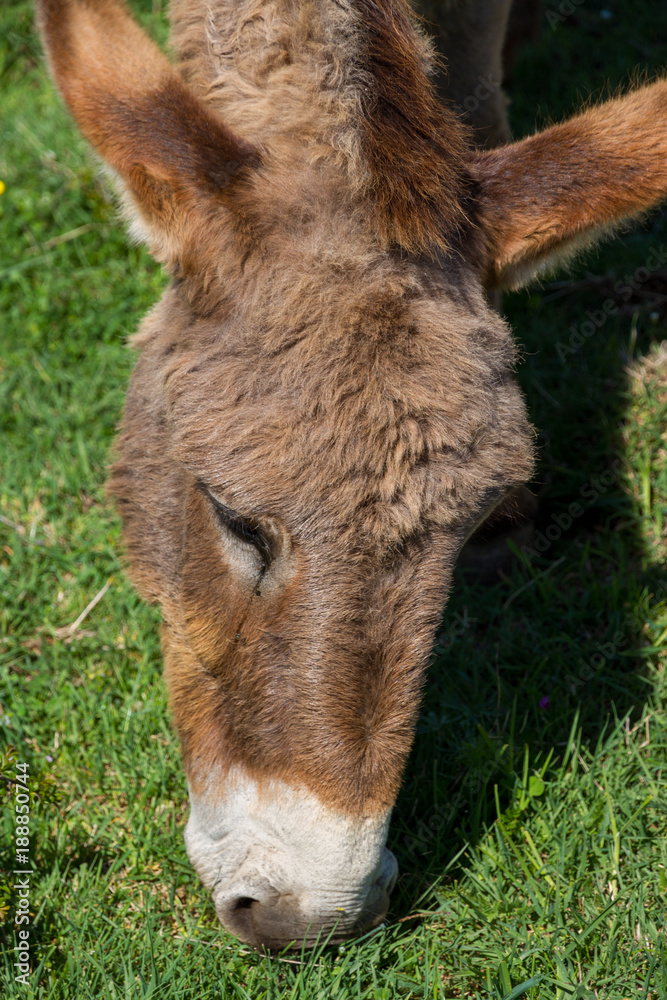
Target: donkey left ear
(546, 197)
(178, 161)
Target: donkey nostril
(243, 903)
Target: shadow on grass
(562, 635)
(558, 638)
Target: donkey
(324, 406)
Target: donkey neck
(338, 82)
(272, 68)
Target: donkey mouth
(276, 921)
(276, 928)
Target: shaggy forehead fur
(381, 403)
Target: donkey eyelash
(241, 527)
(236, 525)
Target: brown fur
(181, 166)
(545, 197)
(373, 102)
(326, 364)
(413, 151)
(366, 551)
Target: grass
(531, 830)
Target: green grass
(532, 838)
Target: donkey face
(323, 407)
(297, 510)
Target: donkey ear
(544, 198)
(176, 159)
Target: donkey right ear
(175, 158)
(546, 197)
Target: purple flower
(544, 702)
(49, 758)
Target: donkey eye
(238, 526)
(241, 527)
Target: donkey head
(323, 408)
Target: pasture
(531, 831)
